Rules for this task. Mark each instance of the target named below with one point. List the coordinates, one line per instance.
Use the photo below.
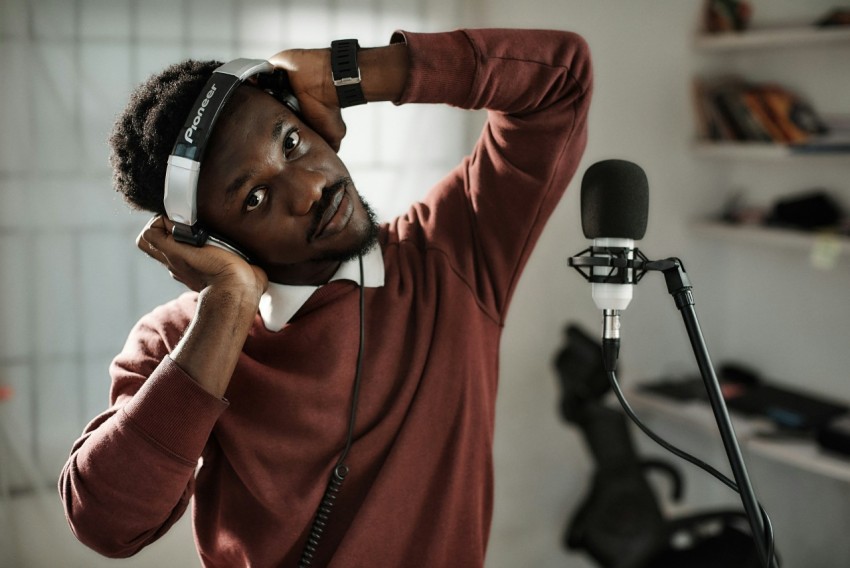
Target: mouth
(334, 212)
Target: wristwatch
(346, 72)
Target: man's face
(274, 187)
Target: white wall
(69, 266)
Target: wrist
(380, 73)
(209, 349)
(231, 299)
(384, 71)
(345, 72)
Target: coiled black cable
(340, 470)
(322, 517)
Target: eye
(255, 198)
(291, 141)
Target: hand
(200, 267)
(309, 72)
(230, 291)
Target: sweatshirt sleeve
(130, 475)
(488, 213)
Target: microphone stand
(678, 285)
(631, 270)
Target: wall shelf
(762, 151)
(802, 454)
(772, 38)
(830, 151)
(769, 236)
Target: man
(249, 393)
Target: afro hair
(144, 134)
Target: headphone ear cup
(277, 83)
(224, 244)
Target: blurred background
(72, 282)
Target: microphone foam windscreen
(614, 200)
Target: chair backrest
(619, 523)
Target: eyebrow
(240, 180)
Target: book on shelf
(731, 109)
(836, 139)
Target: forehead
(247, 112)
(241, 137)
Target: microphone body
(606, 295)
(614, 210)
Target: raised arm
(488, 213)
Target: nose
(305, 190)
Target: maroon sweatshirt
(420, 490)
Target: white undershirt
(280, 301)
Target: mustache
(325, 202)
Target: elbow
(574, 57)
(100, 537)
(110, 549)
(95, 526)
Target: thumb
(327, 122)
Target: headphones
(184, 163)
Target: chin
(362, 237)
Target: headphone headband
(184, 163)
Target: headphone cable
(340, 470)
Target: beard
(367, 232)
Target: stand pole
(680, 288)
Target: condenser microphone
(614, 211)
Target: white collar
(280, 301)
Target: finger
(159, 236)
(152, 252)
(338, 133)
(152, 238)
(146, 228)
(330, 126)
(156, 226)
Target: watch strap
(346, 72)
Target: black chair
(620, 523)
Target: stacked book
(730, 109)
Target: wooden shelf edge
(771, 37)
(804, 455)
(770, 236)
(762, 151)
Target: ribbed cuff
(174, 411)
(442, 67)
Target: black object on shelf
(809, 211)
(835, 18)
(835, 436)
(749, 395)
